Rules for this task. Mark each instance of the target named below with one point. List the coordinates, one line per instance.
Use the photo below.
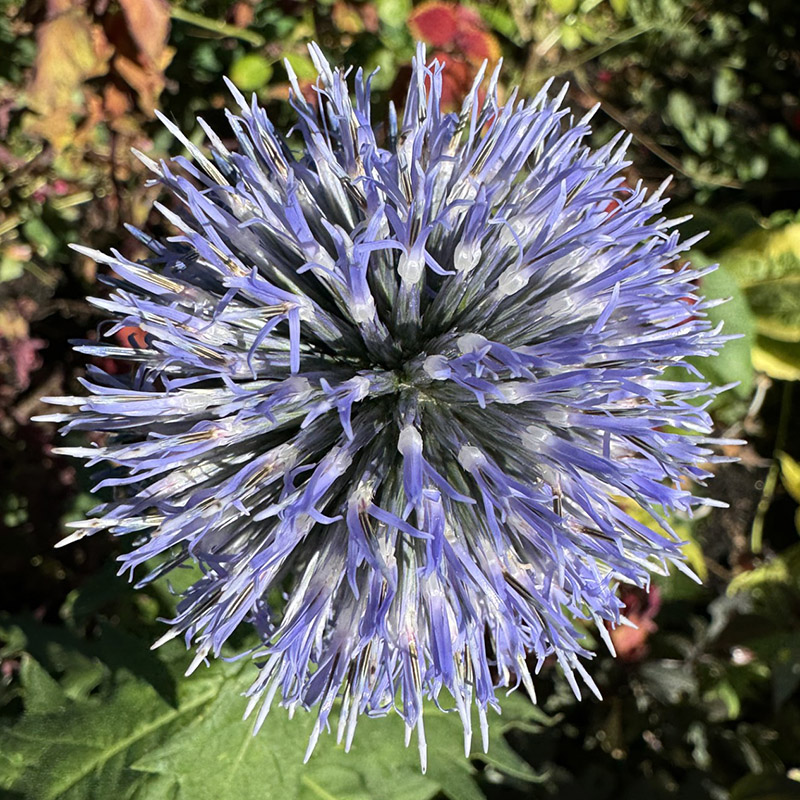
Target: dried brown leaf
(148, 24)
(71, 49)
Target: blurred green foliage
(702, 699)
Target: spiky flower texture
(394, 387)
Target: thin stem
(771, 482)
(535, 77)
(215, 26)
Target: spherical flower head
(397, 386)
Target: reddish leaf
(460, 40)
(454, 28)
(19, 353)
(469, 18)
(434, 22)
(25, 358)
(478, 46)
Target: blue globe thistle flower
(394, 387)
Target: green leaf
(790, 475)
(766, 266)
(40, 237)
(82, 666)
(733, 364)
(779, 360)
(231, 758)
(765, 787)
(668, 680)
(77, 668)
(10, 268)
(570, 37)
(251, 72)
(217, 755)
(563, 7)
(724, 229)
(726, 695)
(680, 110)
(727, 88)
(393, 13)
(103, 589)
(777, 571)
(619, 7)
(302, 65)
(782, 652)
(42, 691)
(777, 309)
(499, 20)
(773, 586)
(127, 739)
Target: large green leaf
(379, 767)
(127, 739)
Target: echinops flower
(401, 386)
